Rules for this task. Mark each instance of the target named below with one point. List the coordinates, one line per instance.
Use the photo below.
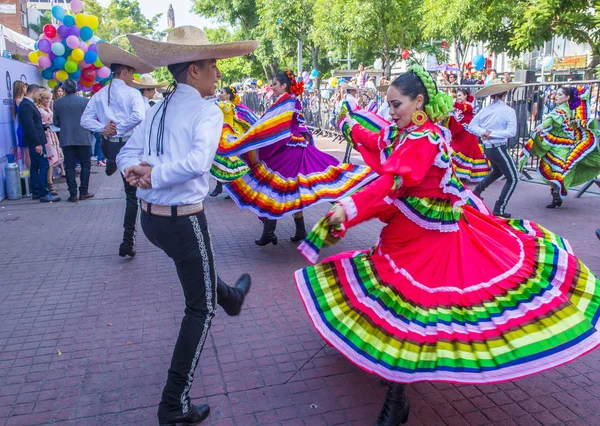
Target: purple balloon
(63, 31)
(45, 46)
(92, 47)
(79, 86)
(74, 31)
(51, 55)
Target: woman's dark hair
(70, 86)
(284, 78)
(409, 84)
(464, 91)
(229, 92)
(568, 91)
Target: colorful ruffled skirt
(467, 155)
(294, 178)
(493, 301)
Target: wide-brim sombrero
(187, 44)
(147, 82)
(383, 88)
(495, 88)
(110, 54)
(346, 86)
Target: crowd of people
(410, 308)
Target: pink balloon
(103, 72)
(83, 65)
(44, 62)
(43, 37)
(76, 6)
(73, 42)
(83, 46)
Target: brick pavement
(86, 336)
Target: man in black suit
(75, 141)
(34, 139)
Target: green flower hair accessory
(440, 104)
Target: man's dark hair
(180, 70)
(118, 68)
(70, 87)
(32, 88)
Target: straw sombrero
(110, 54)
(383, 88)
(495, 88)
(187, 44)
(148, 82)
(346, 86)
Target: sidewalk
(86, 337)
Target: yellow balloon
(259, 83)
(70, 58)
(80, 20)
(62, 75)
(77, 54)
(92, 22)
(334, 82)
(40, 53)
(33, 57)
(52, 84)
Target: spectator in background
(492, 77)
(147, 87)
(76, 141)
(19, 91)
(468, 79)
(453, 79)
(57, 93)
(362, 77)
(34, 139)
(53, 151)
(506, 78)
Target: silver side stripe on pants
(515, 178)
(206, 268)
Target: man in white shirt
(115, 111)
(169, 158)
(147, 87)
(495, 124)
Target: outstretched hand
(337, 215)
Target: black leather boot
(396, 406)
(218, 189)
(197, 414)
(231, 299)
(300, 230)
(556, 200)
(499, 212)
(126, 249)
(268, 235)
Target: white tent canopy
(14, 42)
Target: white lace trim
(349, 207)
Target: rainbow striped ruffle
(539, 314)
(268, 194)
(471, 169)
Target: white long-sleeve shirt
(500, 119)
(126, 109)
(180, 175)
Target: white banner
(10, 71)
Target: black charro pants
(131, 211)
(502, 165)
(186, 240)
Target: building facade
(13, 15)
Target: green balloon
(70, 66)
(98, 63)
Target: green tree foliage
(121, 17)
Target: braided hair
(293, 87)
(417, 82)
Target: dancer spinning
(567, 144)
(467, 154)
(449, 292)
(287, 172)
(237, 118)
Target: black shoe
(49, 199)
(502, 214)
(35, 197)
(598, 233)
(242, 287)
(218, 189)
(477, 192)
(197, 415)
(73, 198)
(86, 196)
(556, 200)
(300, 230)
(396, 407)
(268, 236)
(126, 249)
(111, 167)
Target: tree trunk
(314, 51)
(268, 75)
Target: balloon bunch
(68, 50)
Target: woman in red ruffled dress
(449, 292)
(470, 163)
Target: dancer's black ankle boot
(556, 200)
(268, 235)
(396, 406)
(218, 189)
(300, 230)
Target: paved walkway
(86, 336)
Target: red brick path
(86, 337)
